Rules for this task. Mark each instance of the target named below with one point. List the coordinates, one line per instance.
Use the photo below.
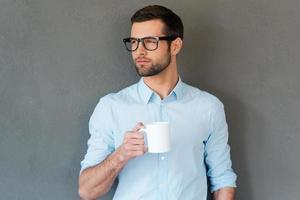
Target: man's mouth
(142, 61)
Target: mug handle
(144, 132)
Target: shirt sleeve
(101, 142)
(217, 150)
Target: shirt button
(162, 158)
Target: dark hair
(172, 22)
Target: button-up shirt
(199, 143)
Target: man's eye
(149, 41)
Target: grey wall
(58, 57)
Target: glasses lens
(150, 43)
(131, 43)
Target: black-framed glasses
(150, 43)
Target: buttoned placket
(163, 158)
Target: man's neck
(164, 82)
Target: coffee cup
(157, 137)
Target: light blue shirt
(199, 148)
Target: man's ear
(176, 46)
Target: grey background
(58, 57)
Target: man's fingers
(138, 127)
(134, 144)
(134, 141)
(132, 147)
(134, 135)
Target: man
(116, 148)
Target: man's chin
(140, 69)
(147, 74)
(143, 71)
(143, 74)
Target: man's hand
(97, 180)
(226, 193)
(133, 144)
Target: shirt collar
(146, 92)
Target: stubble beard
(154, 69)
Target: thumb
(138, 126)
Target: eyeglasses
(150, 43)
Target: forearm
(226, 193)
(96, 181)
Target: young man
(199, 135)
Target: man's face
(150, 63)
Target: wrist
(118, 160)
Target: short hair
(172, 22)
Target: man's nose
(141, 49)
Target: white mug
(158, 137)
